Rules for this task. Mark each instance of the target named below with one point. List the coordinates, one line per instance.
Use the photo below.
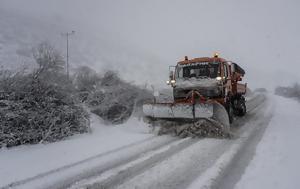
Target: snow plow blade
(200, 119)
(177, 111)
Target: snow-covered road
(138, 160)
(276, 162)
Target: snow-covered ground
(276, 163)
(128, 155)
(24, 162)
(104, 149)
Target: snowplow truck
(207, 95)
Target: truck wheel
(242, 110)
(230, 112)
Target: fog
(140, 39)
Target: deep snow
(276, 162)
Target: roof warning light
(216, 55)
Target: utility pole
(67, 34)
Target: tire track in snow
(146, 142)
(126, 171)
(229, 166)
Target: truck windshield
(198, 70)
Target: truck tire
(240, 108)
(242, 111)
(229, 109)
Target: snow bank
(276, 163)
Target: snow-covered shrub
(290, 92)
(86, 79)
(39, 106)
(34, 110)
(261, 90)
(115, 100)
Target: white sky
(262, 36)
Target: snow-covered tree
(48, 58)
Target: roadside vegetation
(45, 105)
(289, 92)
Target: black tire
(240, 106)
(229, 111)
(243, 110)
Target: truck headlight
(219, 78)
(168, 82)
(173, 81)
